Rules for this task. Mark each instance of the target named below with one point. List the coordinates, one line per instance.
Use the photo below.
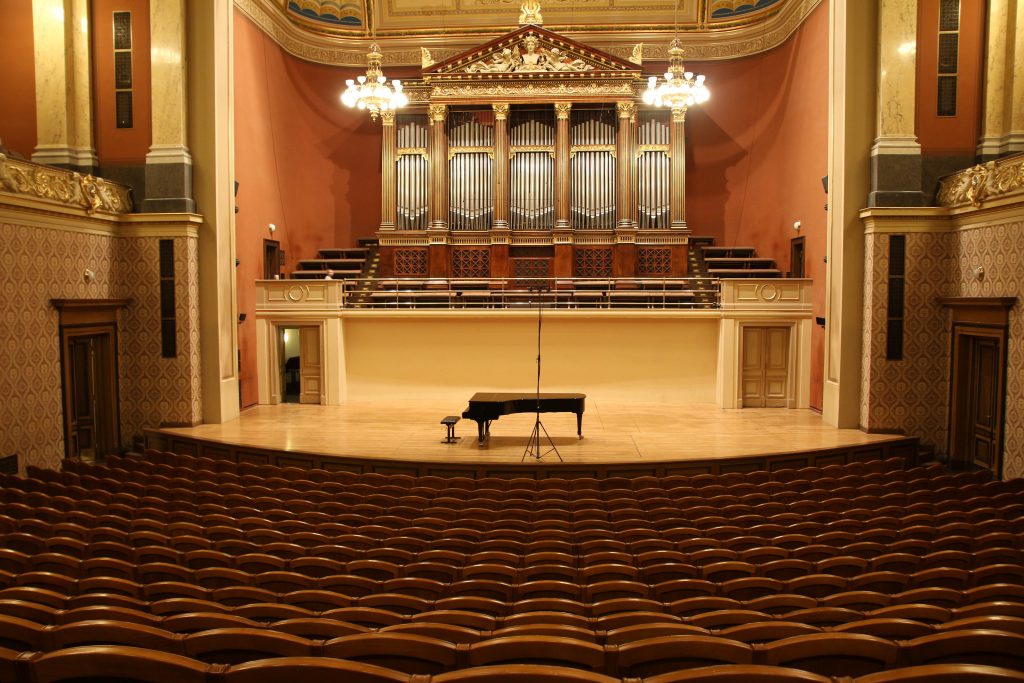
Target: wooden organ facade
(532, 156)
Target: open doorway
(299, 351)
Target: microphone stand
(533, 444)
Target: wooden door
(310, 365)
(764, 371)
(271, 259)
(796, 257)
(976, 404)
(90, 393)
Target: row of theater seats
(578, 574)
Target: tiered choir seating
(188, 569)
(338, 263)
(737, 262)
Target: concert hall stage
(405, 436)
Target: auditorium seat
(311, 669)
(944, 673)
(115, 662)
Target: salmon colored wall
(18, 96)
(950, 135)
(756, 152)
(115, 145)
(303, 162)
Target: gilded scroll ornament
(984, 181)
(64, 187)
(637, 57)
(426, 60)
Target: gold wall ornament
(529, 13)
(437, 113)
(413, 152)
(678, 115)
(518, 91)
(501, 110)
(63, 187)
(626, 110)
(426, 60)
(983, 181)
(528, 57)
(524, 149)
(562, 109)
(387, 118)
(637, 57)
(452, 151)
(643, 149)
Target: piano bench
(450, 423)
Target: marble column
(1003, 111)
(438, 153)
(852, 87)
(624, 165)
(677, 169)
(562, 165)
(210, 121)
(169, 161)
(501, 166)
(388, 161)
(896, 153)
(63, 59)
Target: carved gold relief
(65, 187)
(452, 151)
(664, 149)
(523, 149)
(610, 149)
(413, 152)
(562, 110)
(627, 110)
(984, 181)
(520, 90)
(501, 111)
(529, 13)
(529, 56)
(426, 60)
(437, 113)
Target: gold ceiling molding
(402, 45)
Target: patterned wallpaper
(913, 394)
(998, 249)
(39, 264)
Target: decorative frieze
(63, 187)
(974, 185)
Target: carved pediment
(531, 50)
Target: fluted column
(1003, 112)
(562, 162)
(677, 169)
(388, 157)
(624, 164)
(438, 140)
(501, 166)
(63, 84)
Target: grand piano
(485, 408)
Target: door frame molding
(269, 357)
(986, 317)
(82, 318)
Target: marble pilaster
(896, 153)
(63, 84)
(169, 161)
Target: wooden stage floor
(613, 432)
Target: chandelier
(681, 88)
(372, 91)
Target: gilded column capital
(387, 118)
(678, 114)
(562, 109)
(627, 110)
(437, 113)
(500, 110)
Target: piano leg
(483, 430)
(579, 425)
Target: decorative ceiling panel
(338, 32)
